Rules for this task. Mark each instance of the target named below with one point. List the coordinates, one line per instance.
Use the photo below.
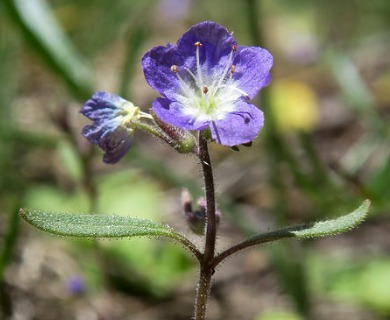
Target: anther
(174, 68)
(232, 68)
(197, 44)
(205, 89)
(234, 47)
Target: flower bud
(186, 201)
(201, 202)
(196, 220)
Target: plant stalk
(206, 268)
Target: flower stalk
(206, 268)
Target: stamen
(190, 73)
(198, 45)
(228, 66)
(205, 89)
(242, 92)
(183, 85)
(232, 70)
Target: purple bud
(196, 220)
(202, 207)
(186, 201)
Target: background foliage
(324, 149)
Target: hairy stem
(256, 240)
(202, 293)
(211, 226)
(206, 268)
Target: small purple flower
(75, 285)
(206, 81)
(112, 118)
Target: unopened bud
(186, 201)
(202, 207)
(196, 220)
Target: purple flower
(206, 81)
(75, 285)
(112, 118)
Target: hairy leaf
(309, 230)
(94, 225)
(102, 226)
(334, 226)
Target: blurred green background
(324, 148)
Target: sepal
(181, 140)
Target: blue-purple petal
(157, 63)
(172, 112)
(241, 126)
(115, 144)
(107, 130)
(216, 46)
(252, 69)
(115, 141)
(219, 59)
(216, 43)
(102, 106)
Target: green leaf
(101, 226)
(335, 226)
(310, 230)
(94, 225)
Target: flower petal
(108, 113)
(216, 43)
(172, 113)
(113, 139)
(206, 80)
(252, 69)
(115, 144)
(216, 47)
(157, 63)
(103, 106)
(241, 126)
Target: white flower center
(208, 97)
